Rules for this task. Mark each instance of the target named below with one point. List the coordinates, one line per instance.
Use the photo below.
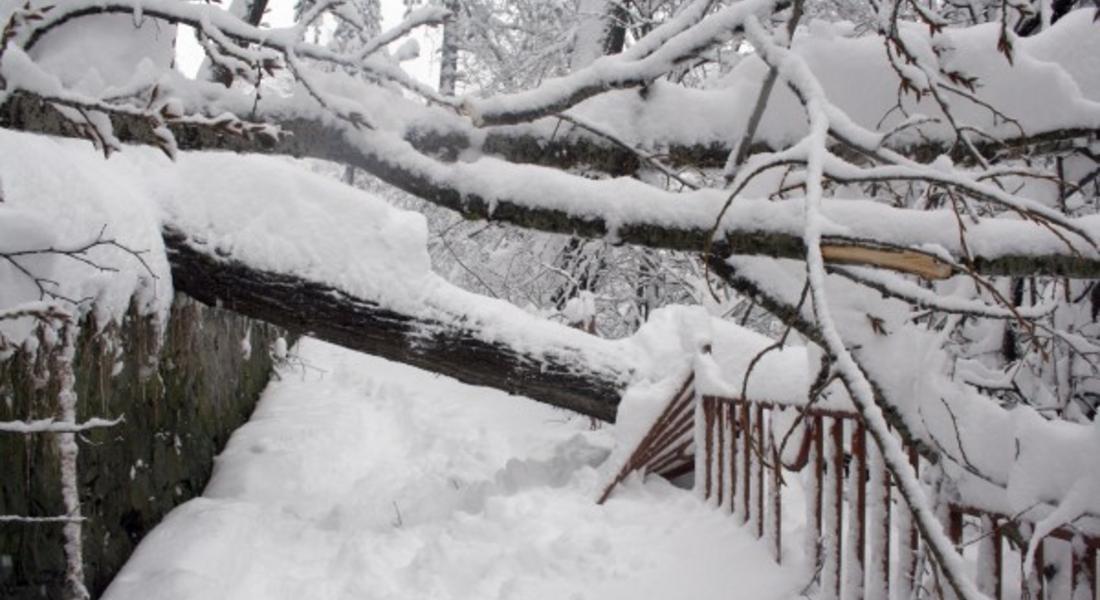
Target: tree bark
(560, 376)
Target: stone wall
(180, 401)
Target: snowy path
(373, 480)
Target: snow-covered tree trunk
(62, 357)
(602, 31)
(559, 375)
(448, 50)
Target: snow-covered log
(626, 210)
(558, 375)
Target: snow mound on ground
(359, 478)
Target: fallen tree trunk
(572, 148)
(439, 184)
(561, 376)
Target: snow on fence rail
(859, 534)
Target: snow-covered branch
(632, 212)
(652, 60)
(54, 426)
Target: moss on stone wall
(181, 401)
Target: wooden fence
(859, 532)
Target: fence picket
(878, 527)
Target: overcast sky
(281, 14)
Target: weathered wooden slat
(731, 427)
(720, 456)
(818, 483)
(708, 445)
(758, 471)
(746, 461)
(857, 514)
(878, 527)
(775, 490)
(833, 514)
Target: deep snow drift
(360, 478)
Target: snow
(267, 211)
(628, 204)
(580, 309)
(801, 79)
(781, 374)
(624, 202)
(1059, 93)
(1036, 462)
(639, 408)
(45, 207)
(21, 229)
(1052, 84)
(51, 425)
(240, 207)
(113, 52)
(274, 215)
(409, 50)
(271, 214)
(1051, 46)
(611, 71)
(358, 478)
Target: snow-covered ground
(360, 478)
